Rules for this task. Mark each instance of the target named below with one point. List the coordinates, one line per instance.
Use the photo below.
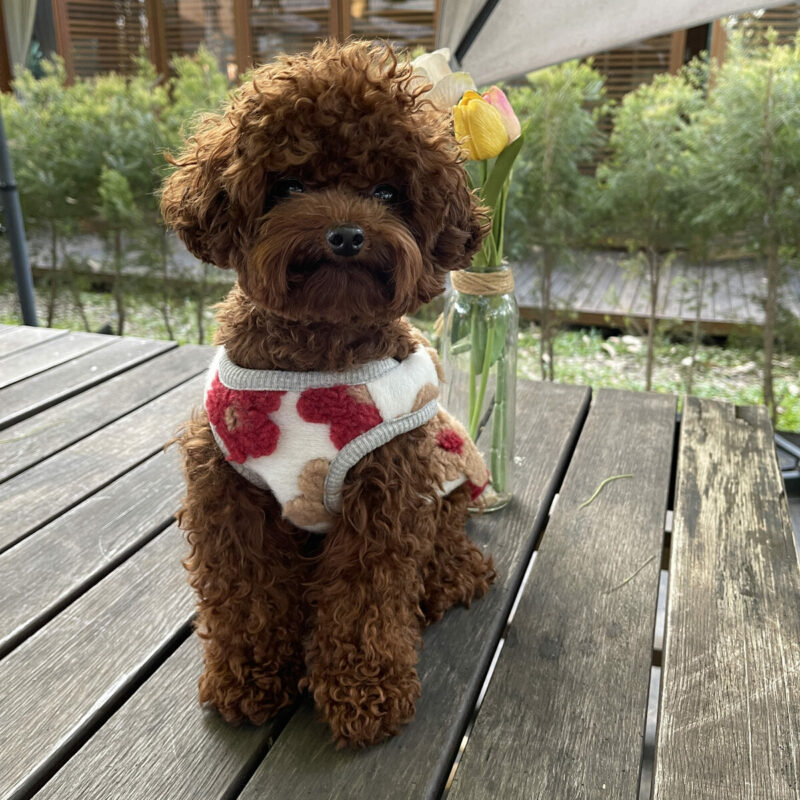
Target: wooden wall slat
(405, 28)
(296, 26)
(785, 20)
(188, 24)
(564, 714)
(101, 36)
(729, 723)
(63, 43)
(157, 35)
(242, 35)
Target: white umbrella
(496, 39)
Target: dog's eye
(386, 193)
(286, 186)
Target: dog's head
(330, 186)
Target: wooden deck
(540, 690)
(598, 289)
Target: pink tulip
(497, 99)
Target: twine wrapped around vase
(484, 284)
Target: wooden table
(98, 663)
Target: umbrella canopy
(496, 39)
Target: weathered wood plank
(791, 294)
(526, 281)
(64, 681)
(640, 305)
(41, 493)
(49, 354)
(38, 392)
(730, 704)
(564, 714)
(576, 288)
(458, 650)
(586, 297)
(742, 290)
(161, 744)
(665, 288)
(34, 439)
(733, 292)
(604, 287)
(630, 291)
(45, 572)
(606, 272)
(692, 276)
(563, 278)
(718, 294)
(24, 336)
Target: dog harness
(298, 433)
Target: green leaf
(501, 169)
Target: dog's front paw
(256, 699)
(361, 712)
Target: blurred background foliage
(705, 162)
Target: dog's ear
(193, 201)
(466, 222)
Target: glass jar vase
(479, 357)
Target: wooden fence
(102, 35)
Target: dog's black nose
(345, 240)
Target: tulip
(479, 127)
(496, 98)
(448, 87)
(433, 66)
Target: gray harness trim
(356, 449)
(233, 376)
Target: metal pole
(9, 199)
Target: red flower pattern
(241, 418)
(449, 440)
(337, 407)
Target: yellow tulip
(496, 98)
(479, 127)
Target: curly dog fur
(300, 148)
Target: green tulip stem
(498, 449)
(473, 324)
(476, 407)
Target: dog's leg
(246, 567)
(458, 571)
(362, 653)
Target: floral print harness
(298, 433)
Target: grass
(143, 317)
(586, 357)
(731, 373)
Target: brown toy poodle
(327, 493)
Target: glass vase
(479, 357)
